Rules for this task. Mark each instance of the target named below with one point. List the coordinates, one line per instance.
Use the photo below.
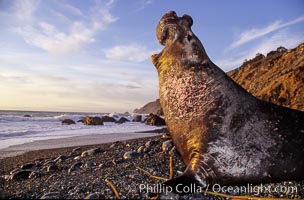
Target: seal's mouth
(165, 30)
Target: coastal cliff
(277, 77)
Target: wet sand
(71, 142)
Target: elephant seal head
(181, 46)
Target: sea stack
(224, 134)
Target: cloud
(60, 17)
(73, 37)
(143, 4)
(132, 52)
(24, 10)
(101, 13)
(71, 9)
(254, 33)
(47, 37)
(267, 44)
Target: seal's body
(224, 134)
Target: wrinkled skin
(223, 134)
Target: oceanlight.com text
(255, 189)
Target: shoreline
(94, 139)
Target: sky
(94, 56)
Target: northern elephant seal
(224, 134)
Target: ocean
(16, 129)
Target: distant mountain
(151, 107)
(278, 78)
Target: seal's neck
(191, 92)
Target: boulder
(93, 121)
(81, 120)
(68, 122)
(122, 120)
(108, 119)
(137, 118)
(154, 120)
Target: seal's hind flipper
(189, 179)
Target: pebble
(38, 163)
(35, 174)
(61, 158)
(5, 177)
(136, 176)
(51, 195)
(52, 168)
(27, 166)
(165, 136)
(91, 152)
(117, 161)
(150, 143)
(50, 162)
(89, 164)
(117, 144)
(167, 145)
(131, 154)
(78, 158)
(22, 174)
(140, 149)
(15, 170)
(3, 194)
(76, 149)
(75, 166)
(95, 195)
(80, 188)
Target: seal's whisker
(171, 167)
